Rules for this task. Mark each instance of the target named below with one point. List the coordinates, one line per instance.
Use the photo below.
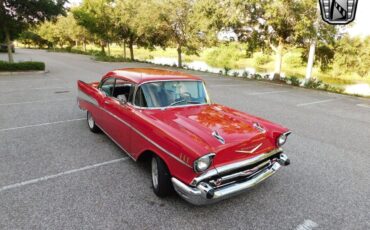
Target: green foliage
(293, 81)
(17, 15)
(224, 56)
(105, 58)
(352, 55)
(31, 38)
(261, 58)
(293, 59)
(324, 56)
(21, 66)
(313, 84)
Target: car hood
(218, 129)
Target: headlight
(282, 138)
(203, 163)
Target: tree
(17, 15)
(311, 31)
(178, 21)
(126, 13)
(352, 56)
(96, 17)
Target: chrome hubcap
(154, 172)
(90, 120)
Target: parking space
(56, 174)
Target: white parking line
(31, 102)
(316, 102)
(42, 124)
(364, 105)
(44, 178)
(269, 92)
(307, 225)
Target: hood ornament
(250, 151)
(259, 127)
(218, 137)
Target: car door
(106, 93)
(121, 112)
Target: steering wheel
(185, 95)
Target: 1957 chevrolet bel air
(205, 151)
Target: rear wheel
(161, 178)
(91, 123)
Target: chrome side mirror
(122, 99)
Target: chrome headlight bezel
(203, 163)
(281, 140)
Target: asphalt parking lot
(56, 174)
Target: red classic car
(204, 151)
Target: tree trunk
(311, 59)
(124, 49)
(179, 58)
(131, 47)
(102, 47)
(84, 45)
(278, 60)
(9, 45)
(108, 46)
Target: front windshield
(170, 93)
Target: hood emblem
(250, 151)
(259, 127)
(218, 137)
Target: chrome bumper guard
(204, 193)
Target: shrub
(261, 59)
(245, 74)
(235, 74)
(21, 66)
(293, 81)
(226, 70)
(313, 84)
(256, 76)
(105, 58)
(225, 56)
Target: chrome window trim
(177, 106)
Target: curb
(23, 72)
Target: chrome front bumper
(205, 193)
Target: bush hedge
(21, 66)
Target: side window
(139, 98)
(107, 86)
(123, 87)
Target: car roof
(141, 75)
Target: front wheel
(91, 123)
(161, 178)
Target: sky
(360, 27)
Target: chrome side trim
(230, 167)
(129, 154)
(145, 137)
(83, 96)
